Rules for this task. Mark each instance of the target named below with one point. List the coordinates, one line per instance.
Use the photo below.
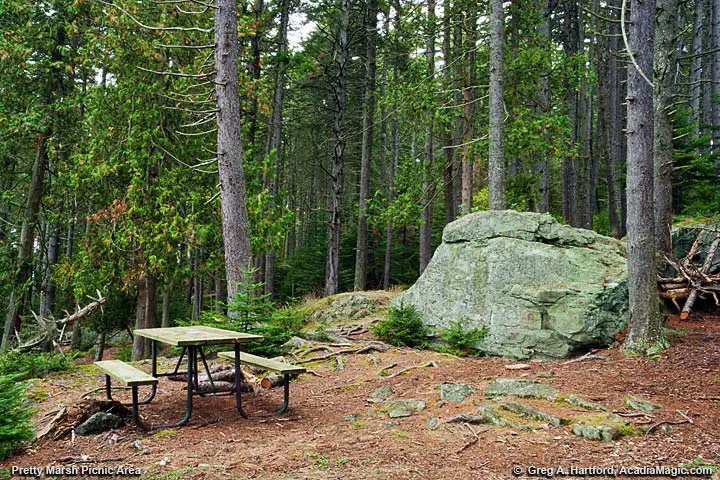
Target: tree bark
(645, 322)
(715, 85)
(47, 300)
(469, 109)
(665, 65)
(275, 131)
(570, 175)
(395, 151)
(26, 241)
(543, 166)
(254, 69)
(496, 171)
(613, 128)
(144, 314)
(337, 173)
(448, 170)
(428, 191)
(368, 117)
(165, 321)
(696, 65)
(236, 235)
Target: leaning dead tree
(50, 331)
(692, 280)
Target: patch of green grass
(699, 462)
(341, 462)
(164, 433)
(155, 474)
(321, 460)
(350, 387)
(358, 424)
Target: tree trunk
(197, 295)
(468, 109)
(448, 170)
(613, 128)
(496, 171)
(368, 117)
(665, 65)
(570, 175)
(254, 69)
(715, 85)
(26, 242)
(236, 235)
(47, 300)
(337, 172)
(428, 194)
(645, 322)
(543, 165)
(460, 119)
(696, 65)
(99, 346)
(394, 154)
(275, 130)
(144, 314)
(165, 321)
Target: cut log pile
(691, 280)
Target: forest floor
(332, 431)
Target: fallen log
(687, 308)
(274, 380)
(50, 332)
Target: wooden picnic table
(192, 339)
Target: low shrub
(15, 425)
(462, 341)
(33, 365)
(403, 327)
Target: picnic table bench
(271, 365)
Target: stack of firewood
(691, 280)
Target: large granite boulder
(542, 289)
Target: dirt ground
(331, 431)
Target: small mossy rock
(641, 405)
(455, 392)
(533, 413)
(98, 423)
(432, 422)
(604, 433)
(578, 401)
(491, 416)
(541, 289)
(520, 388)
(382, 394)
(404, 408)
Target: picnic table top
(196, 335)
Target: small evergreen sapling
(15, 425)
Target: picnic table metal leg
(188, 401)
(207, 370)
(286, 394)
(177, 365)
(238, 382)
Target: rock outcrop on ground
(542, 289)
